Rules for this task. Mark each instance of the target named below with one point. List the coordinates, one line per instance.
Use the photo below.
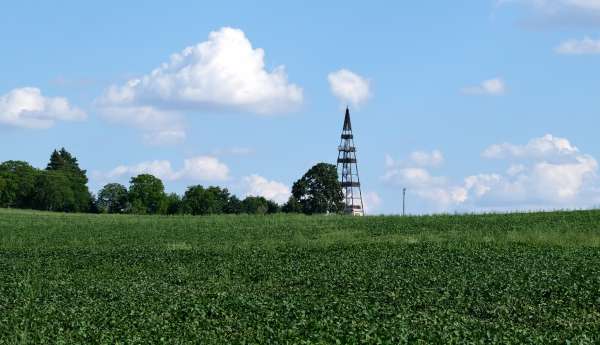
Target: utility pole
(403, 201)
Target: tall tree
(113, 198)
(20, 180)
(319, 190)
(53, 192)
(62, 161)
(147, 194)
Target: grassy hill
(516, 278)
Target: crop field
(102, 279)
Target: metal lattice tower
(348, 171)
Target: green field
(520, 278)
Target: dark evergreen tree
(319, 190)
(62, 161)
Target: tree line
(62, 187)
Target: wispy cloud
(490, 87)
(579, 47)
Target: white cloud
(372, 202)
(491, 87)
(349, 87)
(272, 190)
(234, 151)
(224, 72)
(579, 47)
(27, 107)
(546, 173)
(423, 158)
(546, 147)
(560, 12)
(201, 168)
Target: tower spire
(348, 170)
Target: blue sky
(471, 105)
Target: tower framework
(347, 167)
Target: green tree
(255, 205)
(5, 197)
(66, 163)
(173, 204)
(319, 190)
(113, 198)
(20, 180)
(147, 194)
(272, 207)
(198, 200)
(53, 192)
(233, 206)
(292, 206)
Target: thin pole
(403, 201)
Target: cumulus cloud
(201, 168)
(349, 87)
(223, 73)
(546, 147)
(272, 190)
(548, 172)
(27, 107)
(490, 87)
(579, 47)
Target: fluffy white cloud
(272, 190)
(201, 168)
(433, 189)
(491, 87)
(27, 107)
(224, 72)
(349, 87)
(546, 147)
(372, 202)
(546, 173)
(579, 47)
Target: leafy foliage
(202, 201)
(255, 205)
(319, 190)
(147, 194)
(19, 180)
(113, 198)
